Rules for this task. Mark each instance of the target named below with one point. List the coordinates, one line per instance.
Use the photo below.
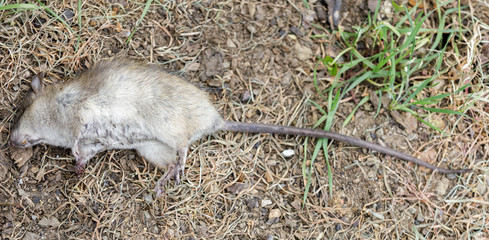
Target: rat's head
(26, 131)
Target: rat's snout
(19, 140)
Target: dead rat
(122, 104)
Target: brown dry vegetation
(239, 186)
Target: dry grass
(235, 183)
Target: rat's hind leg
(182, 158)
(176, 170)
(158, 153)
(162, 155)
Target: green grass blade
(308, 171)
(436, 98)
(350, 116)
(332, 106)
(411, 38)
(430, 125)
(328, 165)
(52, 13)
(145, 10)
(22, 6)
(446, 111)
(358, 81)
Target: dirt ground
(256, 60)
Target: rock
(237, 188)
(303, 52)
(274, 213)
(245, 96)
(288, 153)
(265, 202)
(442, 186)
(51, 222)
(31, 236)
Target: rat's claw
(172, 171)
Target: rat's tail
(286, 130)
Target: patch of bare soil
(256, 61)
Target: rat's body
(122, 104)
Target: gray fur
(118, 104)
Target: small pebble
(36, 199)
(245, 96)
(265, 202)
(288, 153)
(148, 198)
(296, 31)
(251, 29)
(281, 33)
(274, 213)
(420, 217)
(67, 15)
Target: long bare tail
(286, 130)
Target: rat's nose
(12, 143)
(16, 140)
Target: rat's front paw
(79, 168)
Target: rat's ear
(36, 83)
